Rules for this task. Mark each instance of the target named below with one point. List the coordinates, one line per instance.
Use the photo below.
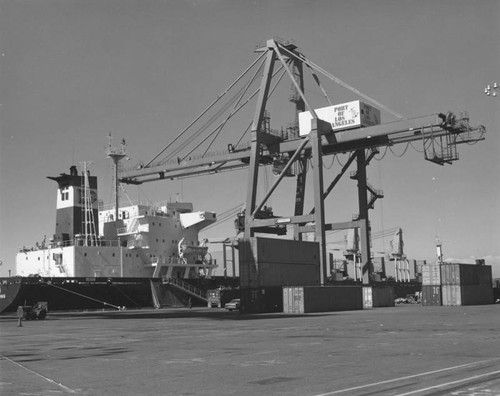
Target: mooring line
(82, 295)
(65, 388)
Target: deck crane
(439, 135)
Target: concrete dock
(402, 350)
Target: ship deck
(402, 350)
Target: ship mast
(116, 155)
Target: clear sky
(74, 70)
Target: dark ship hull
(77, 294)
(87, 293)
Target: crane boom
(376, 136)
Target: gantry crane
(439, 138)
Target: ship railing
(68, 243)
(111, 207)
(187, 287)
(137, 243)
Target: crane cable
(403, 153)
(234, 108)
(232, 114)
(383, 155)
(207, 109)
(270, 93)
(331, 165)
(302, 58)
(202, 128)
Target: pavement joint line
(450, 383)
(65, 388)
(406, 377)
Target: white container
(367, 297)
(431, 275)
(342, 116)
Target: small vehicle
(233, 304)
(213, 297)
(37, 311)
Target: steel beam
(282, 220)
(300, 192)
(363, 215)
(301, 167)
(333, 226)
(337, 178)
(318, 127)
(280, 177)
(256, 139)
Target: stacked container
(466, 284)
(431, 285)
(267, 264)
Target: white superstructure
(145, 240)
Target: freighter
(126, 256)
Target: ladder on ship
(187, 288)
(88, 224)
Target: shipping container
(383, 296)
(367, 297)
(477, 294)
(431, 295)
(485, 275)
(451, 295)
(322, 299)
(261, 300)
(293, 300)
(266, 262)
(456, 295)
(459, 274)
(431, 275)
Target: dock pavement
(403, 350)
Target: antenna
(439, 250)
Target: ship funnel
(71, 197)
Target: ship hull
(83, 293)
(77, 294)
